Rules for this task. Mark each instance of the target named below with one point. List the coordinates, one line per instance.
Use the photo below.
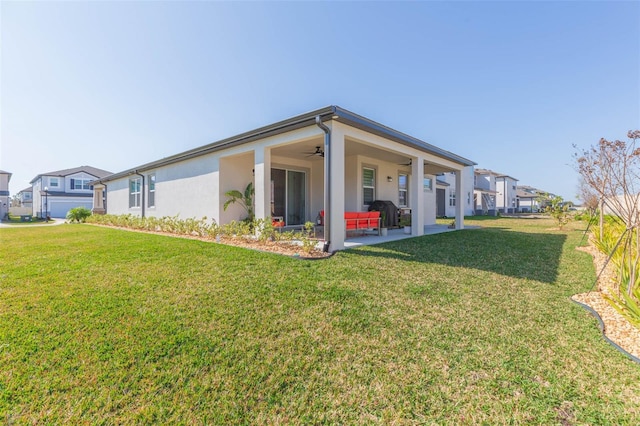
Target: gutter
(261, 133)
(327, 183)
(104, 202)
(328, 113)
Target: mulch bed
(616, 326)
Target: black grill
(390, 211)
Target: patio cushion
(363, 220)
(351, 219)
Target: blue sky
(510, 85)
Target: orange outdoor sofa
(359, 221)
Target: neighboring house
(55, 193)
(484, 192)
(5, 177)
(25, 197)
(330, 159)
(623, 206)
(528, 201)
(447, 198)
(494, 192)
(507, 195)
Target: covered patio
(395, 235)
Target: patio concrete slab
(395, 235)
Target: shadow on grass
(533, 256)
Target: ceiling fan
(407, 164)
(318, 152)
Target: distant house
(494, 192)
(528, 199)
(330, 161)
(5, 177)
(446, 197)
(55, 193)
(25, 197)
(506, 197)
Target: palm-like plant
(244, 199)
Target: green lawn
(107, 326)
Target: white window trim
(406, 190)
(151, 191)
(427, 188)
(137, 194)
(375, 177)
(83, 180)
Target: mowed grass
(107, 326)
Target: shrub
(78, 214)
(261, 230)
(307, 238)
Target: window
(403, 185)
(134, 192)
(54, 182)
(151, 196)
(368, 185)
(427, 184)
(80, 184)
(452, 197)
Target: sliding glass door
(288, 191)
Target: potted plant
(383, 223)
(405, 222)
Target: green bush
(615, 242)
(78, 214)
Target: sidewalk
(52, 222)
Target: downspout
(104, 201)
(327, 183)
(142, 190)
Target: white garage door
(59, 209)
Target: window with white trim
(80, 184)
(427, 184)
(403, 193)
(135, 193)
(368, 185)
(54, 182)
(452, 197)
(151, 195)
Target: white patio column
(460, 200)
(337, 185)
(262, 182)
(416, 196)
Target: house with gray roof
(25, 197)
(321, 164)
(494, 192)
(55, 193)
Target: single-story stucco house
(330, 159)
